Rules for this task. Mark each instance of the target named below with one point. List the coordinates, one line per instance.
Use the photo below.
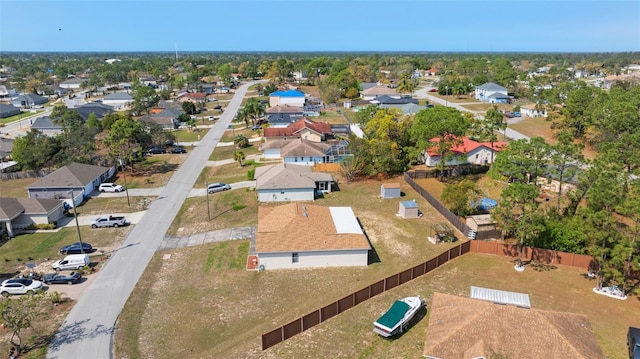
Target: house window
(294, 258)
(322, 186)
(477, 156)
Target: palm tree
(243, 115)
(239, 156)
(255, 109)
(406, 84)
(241, 141)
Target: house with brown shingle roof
(77, 178)
(193, 97)
(302, 128)
(297, 235)
(462, 327)
(283, 182)
(19, 213)
(373, 92)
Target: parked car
(217, 107)
(433, 90)
(110, 187)
(71, 262)
(218, 187)
(74, 248)
(156, 151)
(633, 342)
(109, 221)
(60, 278)
(509, 114)
(211, 118)
(256, 127)
(516, 114)
(178, 149)
(17, 286)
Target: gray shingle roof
(45, 123)
(8, 110)
(490, 86)
(72, 175)
(100, 110)
(284, 176)
(10, 208)
(39, 205)
(300, 147)
(118, 96)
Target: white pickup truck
(108, 221)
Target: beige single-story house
(298, 235)
(19, 213)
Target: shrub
(251, 173)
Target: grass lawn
(6, 120)
(190, 135)
(16, 188)
(228, 209)
(226, 152)
(228, 173)
(535, 127)
(154, 171)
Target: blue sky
(320, 25)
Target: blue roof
(288, 93)
(409, 204)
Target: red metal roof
(467, 145)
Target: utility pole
(75, 215)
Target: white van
(72, 262)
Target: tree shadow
(69, 333)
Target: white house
(289, 97)
(282, 182)
(492, 93)
(296, 151)
(298, 235)
(467, 151)
(118, 100)
(72, 83)
(530, 111)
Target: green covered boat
(397, 318)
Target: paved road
(87, 332)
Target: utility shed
(408, 209)
(481, 223)
(390, 190)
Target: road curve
(87, 332)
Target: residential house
(283, 115)
(8, 110)
(166, 118)
(118, 100)
(28, 100)
(432, 72)
(98, 109)
(493, 93)
(7, 93)
(75, 180)
(368, 85)
(376, 91)
(296, 151)
(288, 97)
(302, 128)
(531, 111)
(467, 151)
(298, 235)
(45, 125)
(148, 80)
(20, 213)
(388, 100)
(74, 83)
(282, 182)
(195, 97)
(461, 327)
(407, 108)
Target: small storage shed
(481, 223)
(390, 190)
(408, 209)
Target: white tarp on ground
(345, 220)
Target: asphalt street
(87, 332)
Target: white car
(19, 286)
(110, 187)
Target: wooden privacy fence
(320, 315)
(444, 211)
(547, 256)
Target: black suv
(155, 150)
(633, 341)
